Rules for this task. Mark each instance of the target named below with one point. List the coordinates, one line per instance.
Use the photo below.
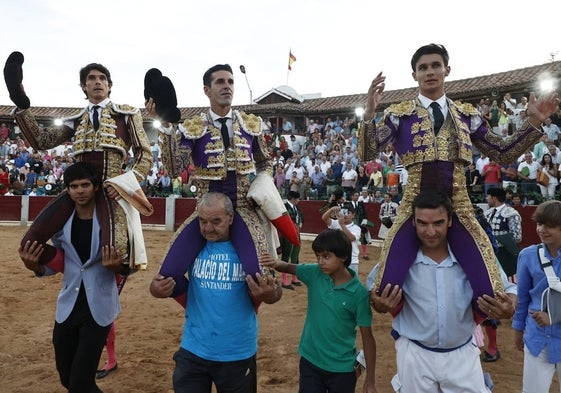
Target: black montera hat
(160, 88)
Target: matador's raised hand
(374, 96)
(541, 108)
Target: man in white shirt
(348, 179)
(554, 153)
(552, 131)
(510, 102)
(320, 148)
(523, 104)
(345, 222)
(155, 149)
(433, 312)
(528, 172)
(324, 164)
(295, 145)
(481, 162)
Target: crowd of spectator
(320, 159)
(24, 171)
(327, 160)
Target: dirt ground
(149, 330)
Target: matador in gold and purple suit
(106, 149)
(438, 162)
(232, 171)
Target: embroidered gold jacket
(198, 141)
(120, 131)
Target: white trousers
(538, 372)
(422, 371)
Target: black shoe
(491, 358)
(288, 287)
(104, 372)
(297, 283)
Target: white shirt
(324, 166)
(355, 230)
(101, 105)
(349, 174)
(218, 125)
(437, 309)
(442, 102)
(480, 163)
(533, 168)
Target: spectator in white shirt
(554, 152)
(552, 131)
(509, 102)
(324, 165)
(481, 162)
(523, 104)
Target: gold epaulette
(404, 108)
(251, 123)
(195, 126)
(125, 109)
(465, 108)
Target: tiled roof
(469, 89)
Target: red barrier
(159, 216)
(10, 210)
(183, 209)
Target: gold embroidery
(418, 141)
(464, 212)
(195, 126)
(404, 108)
(250, 123)
(464, 108)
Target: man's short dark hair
(219, 67)
(429, 50)
(498, 193)
(335, 241)
(79, 171)
(98, 67)
(293, 195)
(338, 193)
(432, 199)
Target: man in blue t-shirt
(219, 340)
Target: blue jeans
(315, 380)
(195, 374)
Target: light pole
(242, 69)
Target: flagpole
(288, 68)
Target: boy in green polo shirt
(337, 303)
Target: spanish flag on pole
(291, 59)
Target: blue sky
(339, 45)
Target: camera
(345, 212)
